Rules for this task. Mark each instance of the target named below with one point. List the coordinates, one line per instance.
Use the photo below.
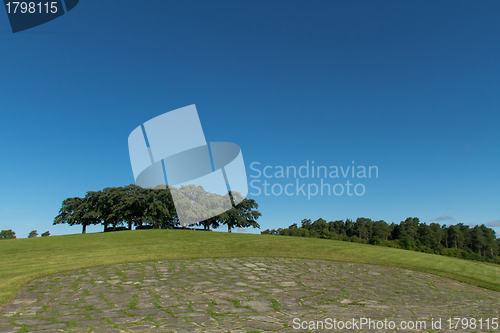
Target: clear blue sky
(411, 87)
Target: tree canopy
(125, 207)
(7, 234)
(463, 241)
(242, 215)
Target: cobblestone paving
(238, 295)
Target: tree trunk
(84, 228)
(229, 228)
(130, 225)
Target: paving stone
(140, 328)
(11, 308)
(71, 318)
(261, 324)
(237, 295)
(31, 321)
(144, 311)
(110, 314)
(48, 314)
(180, 326)
(259, 306)
(78, 329)
(93, 322)
(71, 311)
(47, 326)
(9, 329)
(126, 320)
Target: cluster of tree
(34, 233)
(462, 241)
(123, 207)
(7, 234)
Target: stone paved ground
(238, 295)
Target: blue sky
(410, 87)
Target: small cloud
(494, 224)
(20, 211)
(242, 229)
(443, 218)
(8, 210)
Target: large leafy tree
(158, 207)
(455, 236)
(349, 228)
(306, 223)
(320, 227)
(242, 215)
(108, 205)
(363, 228)
(410, 227)
(478, 239)
(437, 234)
(425, 234)
(77, 211)
(131, 205)
(7, 234)
(337, 227)
(194, 204)
(210, 223)
(490, 246)
(381, 229)
(467, 234)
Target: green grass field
(22, 260)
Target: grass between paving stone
(23, 260)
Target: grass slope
(22, 260)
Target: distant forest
(461, 241)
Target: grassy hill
(22, 260)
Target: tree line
(9, 234)
(118, 208)
(461, 240)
